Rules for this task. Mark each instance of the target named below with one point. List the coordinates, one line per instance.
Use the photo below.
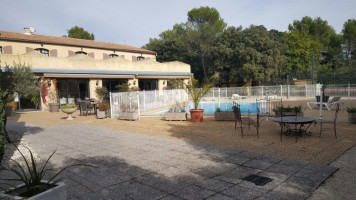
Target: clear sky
(133, 22)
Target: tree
(301, 48)
(320, 31)
(6, 89)
(25, 82)
(80, 33)
(203, 28)
(349, 36)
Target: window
(43, 51)
(113, 55)
(81, 52)
(140, 58)
(0, 50)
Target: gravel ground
(315, 149)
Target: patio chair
(237, 96)
(245, 121)
(83, 105)
(70, 100)
(63, 101)
(333, 122)
(329, 105)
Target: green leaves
(197, 93)
(80, 33)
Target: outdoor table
(289, 121)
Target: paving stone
(235, 176)
(194, 192)
(236, 159)
(283, 169)
(219, 197)
(288, 191)
(171, 197)
(214, 184)
(250, 155)
(258, 164)
(268, 158)
(238, 192)
(290, 162)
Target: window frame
(43, 51)
(113, 55)
(81, 52)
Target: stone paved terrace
(135, 166)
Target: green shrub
(101, 92)
(295, 109)
(104, 107)
(123, 87)
(351, 109)
(2, 128)
(68, 106)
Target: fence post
(226, 92)
(348, 91)
(281, 91)
(219, 97)
(110, 105)
(144, 100)
(262, 90)
(306, 91)
(138, 105)
(213, 94)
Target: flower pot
(352, 118)
(69, 111)
(224, 116)
(8, 110)
(196, 115)
(101, 114)
(53, 107)
(175, 116)
(128, 115)
(55, 193)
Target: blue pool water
(210, 107)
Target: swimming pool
(210, 107)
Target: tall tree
(203, 28)
(80, 33)
(349, 36)
(301, 48)
(319, 31)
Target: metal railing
(149, 100)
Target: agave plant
(32, 175)
(197, 93)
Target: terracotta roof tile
(5, 35)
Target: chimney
(28, 31)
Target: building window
(81, 52)
(140, 58)
(43, 51)
(113, 55)
(0, 50)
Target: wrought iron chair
(333, 122)
(84, 108)
(245, 121)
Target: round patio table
(288, 121)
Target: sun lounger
(236, 96)
(329, 105)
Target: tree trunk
(203, 65)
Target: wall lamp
(164, 82)
(97, 82)
(134, 82)
(49, 82)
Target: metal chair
(333, 122)
(245, 121)
(84, 108)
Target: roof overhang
(78, 73)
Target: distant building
(78, 66)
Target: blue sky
(133, 22)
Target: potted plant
(176, 114)
(102, 109)
(324, 98)
(224, 115)
(197, 94)
(33, 186)
(128, 112)
(69, 109)
(352, 114)
(288, 111)
(101, 92)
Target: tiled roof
(5, 35)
